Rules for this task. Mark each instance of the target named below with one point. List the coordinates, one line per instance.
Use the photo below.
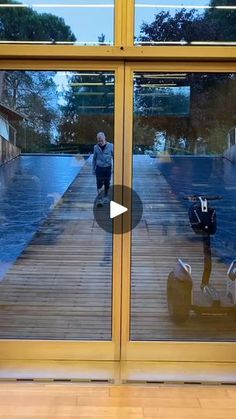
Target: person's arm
(94, 160)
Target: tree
(223, 20)
(25, 24)
(101, 39)
(213, 108)
(89, 108)
(34, 94)
(183, 26)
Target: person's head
(101, 138)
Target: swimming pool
(207, 175)
(30, 186)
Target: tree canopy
(213, 109)
(25, 24)
(88, 109)
(190, 25)
(34, 93)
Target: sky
(88, 22)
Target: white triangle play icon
(116, 209)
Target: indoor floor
(70, 400)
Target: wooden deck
(61, 285)
(163, 236)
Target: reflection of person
(200, 146)
(103, 155)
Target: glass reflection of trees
(194, 112)
(88, 109)
(191, 25)
(25, 24)
(63, 111)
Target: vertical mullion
(117, 238)
(130, 17)
(124, 23)
(118, 22)
(127, 181)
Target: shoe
(106, 200)
(99, 202)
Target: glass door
(179, 300)
(60, 274)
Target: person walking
(103, 156)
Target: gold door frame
(159, 350)
(148, 58)
(80, 350)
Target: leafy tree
(213, 107)
(34, 94)
(223, 21)
(25, 24)
(184, 25)
(101, 39)
(89, 108)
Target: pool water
(212, 176)
(30, 186)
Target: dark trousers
(207, 260)
(103, 176)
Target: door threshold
(60, 371)
(124, 372)
(178, 372)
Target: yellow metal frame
(123, 49)
(123, 55)
(81, 350)
(160, 351)
(117, 53)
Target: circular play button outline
(113, 216)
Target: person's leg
(107, 180)
(99, 180)
(207, 261)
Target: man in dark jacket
(103, 155)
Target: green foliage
(88, 109)
(184, 25)
(25, 24)
(224, 21)
(101, 38)
(213, 96)
(34, 94)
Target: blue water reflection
(212, 176)
(30, 186)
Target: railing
(8, 151)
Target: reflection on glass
(57, 22)
(55, 261)
(184, 170)
(205, 22)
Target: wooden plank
(61, 285)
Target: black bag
(202, 218)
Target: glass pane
(55, 261)
(57, 22)
(202, 22)
(184, 170)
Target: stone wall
(8, 151)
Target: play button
(120, 211)
(116, 209)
